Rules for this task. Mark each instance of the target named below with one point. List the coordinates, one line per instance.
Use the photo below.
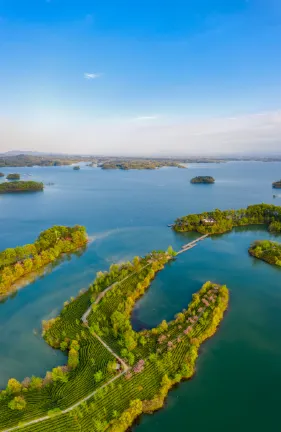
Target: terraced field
(85, 394)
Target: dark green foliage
(267, 250)
(203, 179)
(21, 186)
(218, 222)
(13, 176)
(76, 168)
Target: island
(267, 251)
(139, 164)
(76, 168)
(219, 222)
(21, 186)
(15, 263)
(202, 179)
(113, 374)
(29, 160)
(2, 174)
(277, 184)
(13, 176)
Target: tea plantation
(112, 373)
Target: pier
(192, 244)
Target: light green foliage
(268, 251)
(18, 403)
(22, 260)
(158, 358)
(218, 222)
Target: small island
(107, 358)
(202, 180)
(13, 176)
(277, 184)
(15, 263)
(267, 251)
(76, 168)
(219, 222)
(2, 174)
(21, 186)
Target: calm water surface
(238, 379)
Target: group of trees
(116, 323)
(13, 176)
(218, 222)
(24, 160)
(139, 164)
(267, 250)
(21, 260)
(202, 179)
(21, 186)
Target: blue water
(126, 213)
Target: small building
(208, 221)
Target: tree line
(51, 243)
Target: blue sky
(106, 76)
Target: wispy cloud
(142, 118)
(91, 76)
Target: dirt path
(125, 366)
(67, 410)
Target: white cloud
(143, 118)
(90, 76)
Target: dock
(192, 244)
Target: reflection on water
(41, 273)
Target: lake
(238, 379)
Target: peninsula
(107, 358)
(218, 221)
(21, 186)
(267, 251)
(202, 179)
(277, 184)
(15, 263)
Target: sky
(142, 77)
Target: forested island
(107, 358)
(277, 184)
(76, 168)
(2, 174)
(26, 160)
(267, 251)
(21, 186)
(13, 176)
(202, 179)
(139, 164)
(218, 221)
(15, 263)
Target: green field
(112, 373)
